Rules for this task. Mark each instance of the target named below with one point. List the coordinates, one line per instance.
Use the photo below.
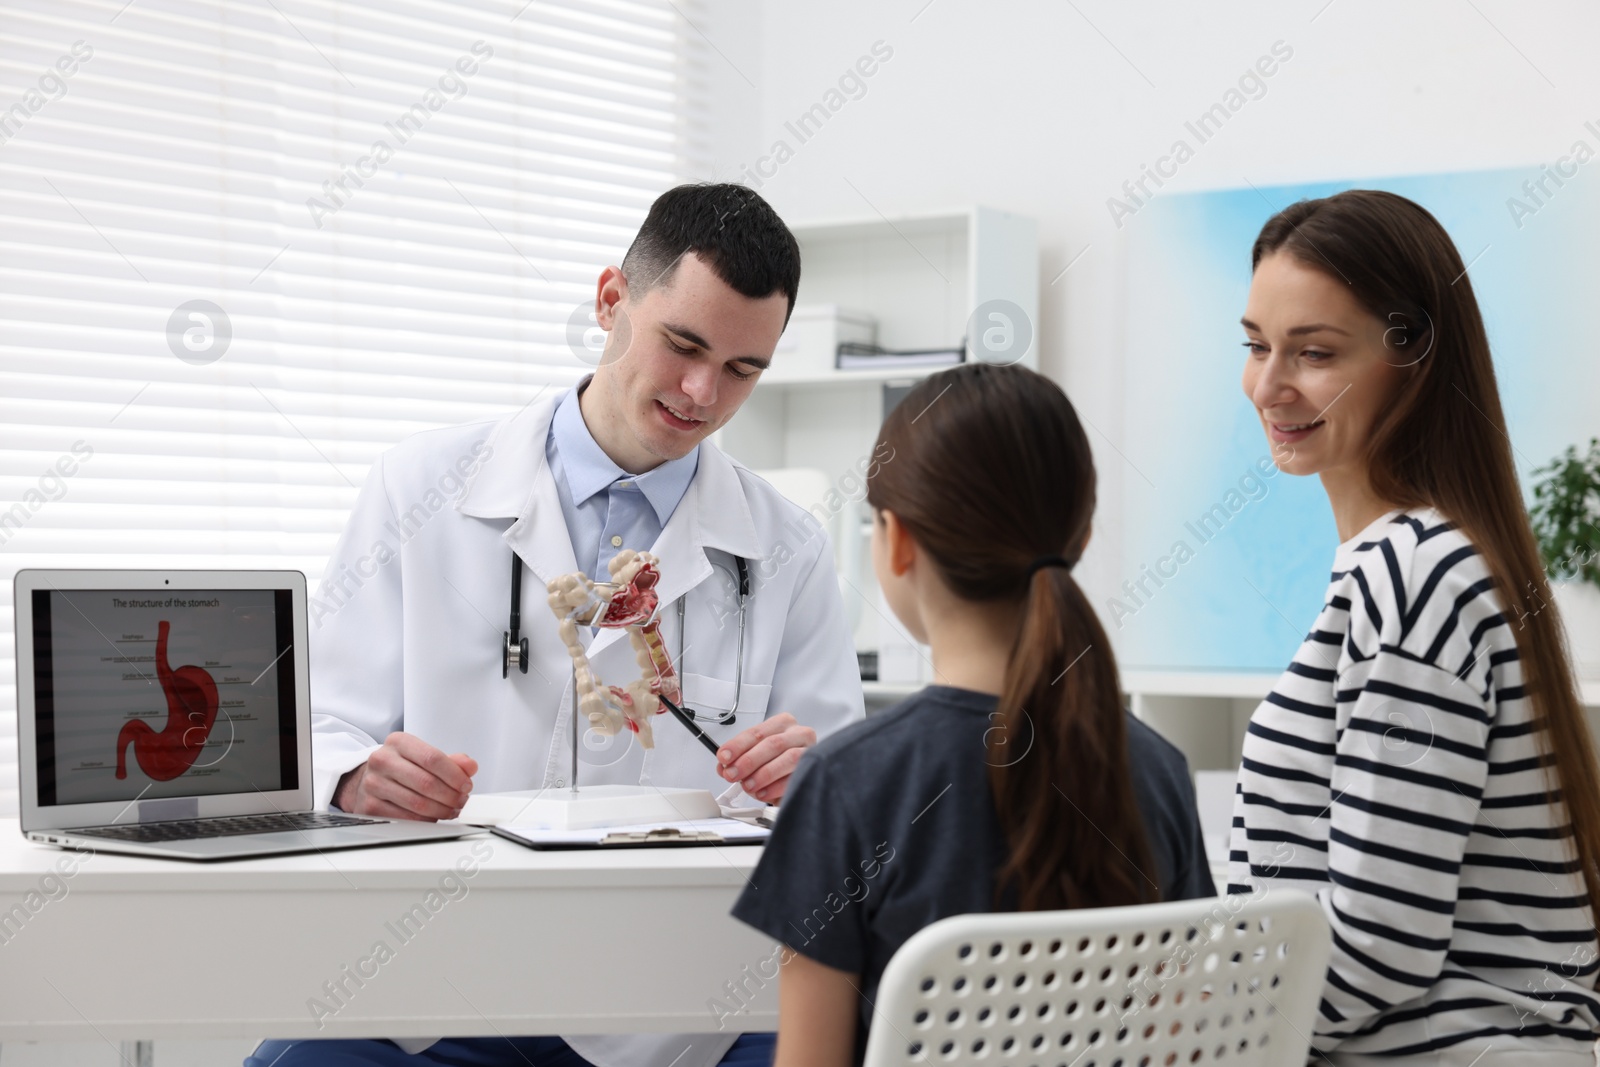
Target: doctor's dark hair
(992, 472)
(1442, 443)
(730, 227)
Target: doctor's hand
(408, 779)
(762, 758)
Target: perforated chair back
(1230, 980)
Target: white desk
(539, 943)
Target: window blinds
(246, 247)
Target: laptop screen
(142, 694)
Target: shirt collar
(589, 470)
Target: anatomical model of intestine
(627, 602)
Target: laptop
(168, 713)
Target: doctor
(411, 712)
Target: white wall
(1047, 107)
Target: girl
(1423, 767)
(1018, 782)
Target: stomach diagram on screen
(192, 704)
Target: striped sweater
(1395, 774)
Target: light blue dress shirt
(606, 508)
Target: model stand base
(590, 807)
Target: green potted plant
(1566, 520)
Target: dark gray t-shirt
(889, 825)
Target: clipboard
(687, 834)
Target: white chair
(1231, 980)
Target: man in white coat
(410, 710)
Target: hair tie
(1049, 561)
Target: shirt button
(616, 542)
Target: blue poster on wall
(1225, 560)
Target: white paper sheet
(731, 830)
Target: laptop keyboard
(231, 826)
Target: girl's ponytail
(1076, 835)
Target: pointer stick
(689, 724)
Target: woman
(1423, 766)
(1018, 782)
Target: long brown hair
(991, 473)
(1443, 444)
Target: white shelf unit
(1205, 714)
(921, 277)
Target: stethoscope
(515, 651)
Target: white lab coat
(407, 629)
